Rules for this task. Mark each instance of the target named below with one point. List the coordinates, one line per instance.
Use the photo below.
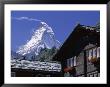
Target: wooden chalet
(80, 53)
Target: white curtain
(94, 52)
(90, 54)
(71, 62)
(75, 61)
(98, 52)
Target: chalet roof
(35, 65)
(78, 39)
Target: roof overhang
(78, 39)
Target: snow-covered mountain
(43, 37)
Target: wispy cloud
(25, 18)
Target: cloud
(25, 18)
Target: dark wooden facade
(78, 44)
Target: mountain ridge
(43, 37)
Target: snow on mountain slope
(43, 37)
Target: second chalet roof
(78, 39)
(35, 65)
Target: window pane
(75, 61)
(71, 62)
(98, 52)
(90, 54)
(94, 52)
(67, 62)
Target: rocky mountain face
(42, 38)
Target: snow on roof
(36, 65)
(91, 28)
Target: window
(68, 63)
(90, 54)
(75, 61)
(94, 53)
(71, 62)
(98, 52)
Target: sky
(24, 23)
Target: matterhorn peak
(43, 37)
(47, 27)
(43, 23)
